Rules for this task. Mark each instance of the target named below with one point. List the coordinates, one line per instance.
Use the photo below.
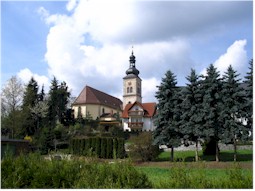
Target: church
(135, 115)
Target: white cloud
(25, 75)
(71, 5)
(92, 45)
(235, 55)
(149, 88)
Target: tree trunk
(172, 154)
(196, 158)
(235, 153)
(217, 152)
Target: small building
(14, 146)
(139, 116)
(92, 103)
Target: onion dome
(132, 69)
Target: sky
(89, 42)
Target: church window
(131, 89)
(127, 89)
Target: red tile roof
(90, 95)
(149, 109)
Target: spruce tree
(233, 102)
(211, 88)
(249, 96)
(53, 103)
(58, 99)
(166, 132)
(29, 101)
(191, 118)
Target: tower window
(131, 89)
(138, 90)
(127, 89)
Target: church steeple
(132, 69)
(132, 83)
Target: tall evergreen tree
(53, 103)
(192, 119)
(58, 99)
(167, 132)
(29, 100)
(211, 88)
(233, 101)
(249, 96)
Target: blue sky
(89, 42)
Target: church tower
(132, 84)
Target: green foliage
(118, 175)
(182, 176)
(102, 147)
(58, 99)
(168, 114)
(249, 96)
(233, 106)
(141, 147)
(32, 171)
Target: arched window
(103, 111)
(127, 89)
(131, 89)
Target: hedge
(102, 147)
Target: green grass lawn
(189, 156)
(181, 176)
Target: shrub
(141, 147)
(118, 175)
(32, 171)
(103, 147)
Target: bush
(118, 175)
(32, 171)
(141, 147)
(103, 147)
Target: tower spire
(132, 69)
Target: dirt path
(214, 165)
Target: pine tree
(191, 119)
(249, 96)
(58, 99)
(166, 132)
(233, 100)
(211, 88)
(29, 100)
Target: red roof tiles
(149, 109)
